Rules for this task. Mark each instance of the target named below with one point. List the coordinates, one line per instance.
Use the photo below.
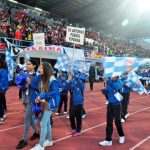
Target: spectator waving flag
(116, 66)
(10, 63)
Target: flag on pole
(10, 63)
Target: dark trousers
(83, 111)
(91, 83)
(20, 94)
(4, 102)
(75, 115)
(125, 104)
(2, 99)
(51, 120)
(63, 99)
(113, 112)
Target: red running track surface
(137, 127)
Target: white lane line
(16, 112)
(88, 129)
(139, 111)
(57, 117)
(11, 128)
(86, 111)
(140, 143)
(86, 101)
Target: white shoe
(65, 113)
(4, 116)
(57, 113)
(106, 102)
(127, 115)
(2, 120)
(122, 120)
(105, 143)
(48, 143)
(83, 116)
(68, 117)
(37, 147)
(122, 139)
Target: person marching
(63, 88)
(49, 97)
(29, 93)
(126, 96)
(91, 76)
(76, 108)
(4, 85)
(113, 89)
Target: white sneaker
(4, 116)
(127, 115)
(37, 147)
(48, 143)
(122, 120)
(83, 116)
(106, 102)
(122, 139)
(68, 117)
(2, 120)
(57, 113)
(105, 143)
(65, 113)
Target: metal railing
(18, 43)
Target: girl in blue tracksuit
(4, 85)
(29, 94)
(126, 96)
(113, 86)
(50, 98)
(63, 88)
(76, 108)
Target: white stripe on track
(140, 143)
(64, 116)
(102, 124)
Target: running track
(137, 127)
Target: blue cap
(64, 75)
(82, 76)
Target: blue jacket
(63, 85)
(77, 88)
(112, 87)
(53, 95)
(125, 88)
(4, 83)
(33, 90)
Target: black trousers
(83, 111)
(125, 104)
(75, 115)
(20, 94)
(51, 120)
(2, 101)
(63, 99)
(91, 83)
(113, 112)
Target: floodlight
(39, 9)
(144, 5)
(13, 1)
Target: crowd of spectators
(20, 23)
